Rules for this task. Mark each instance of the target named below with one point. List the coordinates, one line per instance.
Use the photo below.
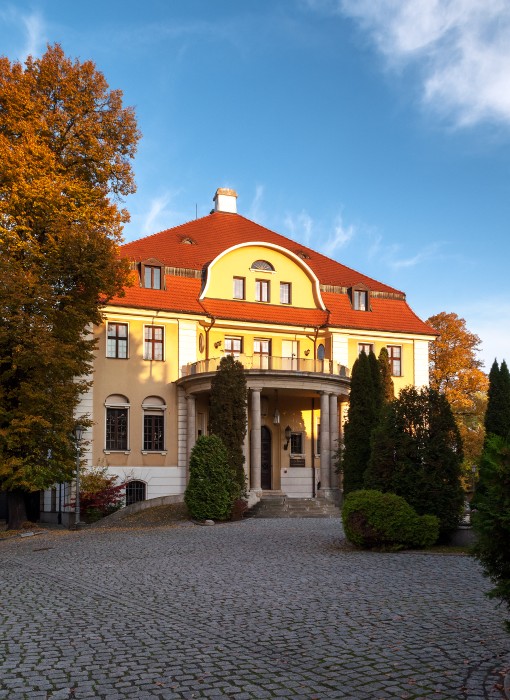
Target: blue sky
(375, 132)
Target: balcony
(270, 363)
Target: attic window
(360, 298)
(152, 274)
(302, 255)
(262, 265)
(188, 241)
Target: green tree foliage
(228, 401)
(366, 400)
(212, 488)
(388, 388)
(497, 416)
(66, 143)
(492, 519)
(417, 454)
(384, 520)
(455, 371)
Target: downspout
(313, 447)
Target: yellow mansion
(296, 320)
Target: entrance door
(265, 459)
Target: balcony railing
(270, 362)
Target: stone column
(255, 461)
(333, 431)
(192, 429)
(246, 449)
(325, 446)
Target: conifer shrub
(213, 487)
(492, 517)
(373, 519)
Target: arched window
(321, 352)
(135, 492)
(262, 265)
(117, 422)
(153, 424)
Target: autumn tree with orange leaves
(456, 372)
(66, 144)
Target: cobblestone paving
(256, 609)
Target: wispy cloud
(32, 27)
(340, 237)
(301, 227)
(397, 261)
(159, 215)
(460, 48)
(255, 210)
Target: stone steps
(283, 507)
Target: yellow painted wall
(407, 356)
(237, 263)
(136, 379)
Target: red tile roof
(214, 233)
(265, 313)
(181, 296)
(385, 315)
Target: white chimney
(225, 200)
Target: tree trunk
(16, 510)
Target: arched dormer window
(152, 274)
(262, 265)
(360, 297)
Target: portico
(293, 427)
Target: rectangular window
(152, 277)
(367, 348)
(233, 346)
(262, 290)
(154, 432)
(153, 343)
(116, 428)
(395, 357)
(285, 293)
(239, 288)
(360, 300)
(117, 340)
(296, 443)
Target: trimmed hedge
(373, 519)
(212, 488)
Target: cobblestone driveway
(256, 609)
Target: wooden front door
(265, 459)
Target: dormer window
(262, 265)
(152, 274)
(152, 277)
(360, 298)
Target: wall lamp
(287, 433)
(217, 344)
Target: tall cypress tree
(417, 454)
(227, 420)
(375, 371)
(388, 388)
(497, 416)
(361, 417)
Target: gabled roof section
(212, 234)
